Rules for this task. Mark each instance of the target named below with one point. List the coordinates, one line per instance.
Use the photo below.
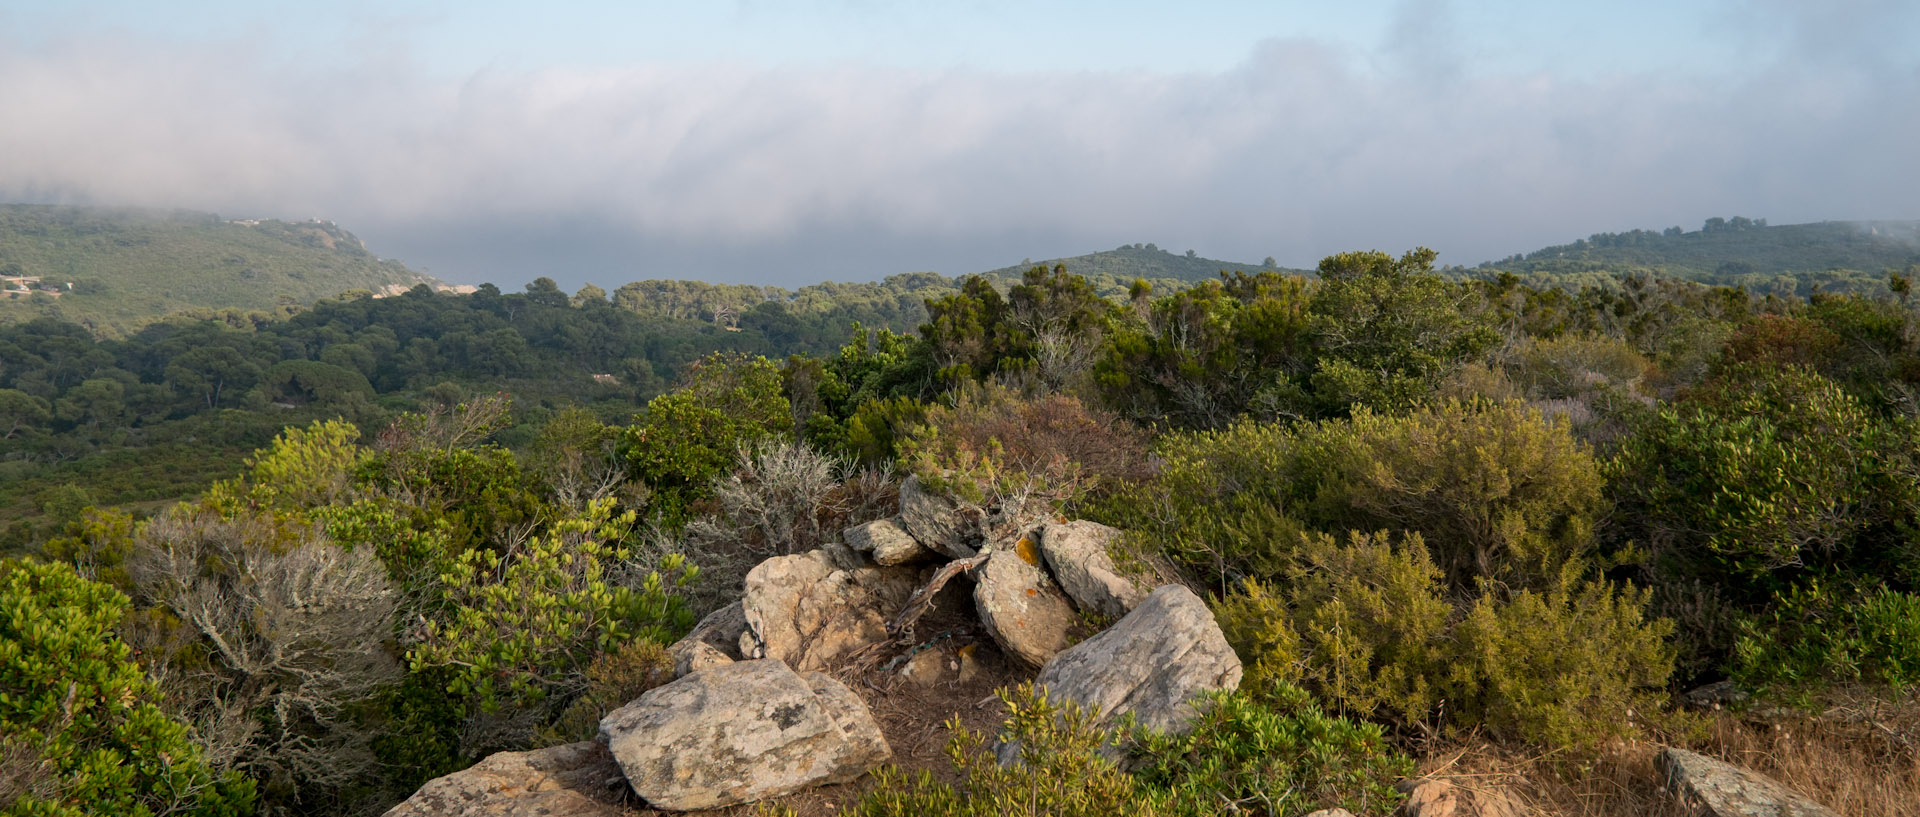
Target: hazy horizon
(792, 142)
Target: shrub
(1275, 755)
(1767, 471)
(1568, 666)
(1814, 634)
(1373, 625)
(690, 436)
(1062, 771)
(1367, 626)
(614, 679)
(1573, 365)
(80, 718)
(1054, 440)
(525, 626)
(276, 638)
(1497, 492)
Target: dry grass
(1858, 754)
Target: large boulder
(1154, 664)
(715, 640)
(1726, 790)
(805, 611)
(739, 733)
(1021, 607)
(575, 780)
(938, 522)
(887, 543)
(1077, 552)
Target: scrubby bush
(690, 436)
(81, 732)
(1273, 755)
(1498, 492)
(1816, 634)
(1368, 626)
(524, 626)
(1766, 471)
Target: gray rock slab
(574, 780)
(1726, 790)
(741, 733)
(1077, 553)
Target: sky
(791, 141)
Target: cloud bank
(790, 175)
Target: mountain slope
(1142, 261)
(112, 270)
(1738, 251)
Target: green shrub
(72, 698)
(1373, 625)
(1814, 634)
(1767, 471)
(1275, 755)
(690, 436)
(1497, 491)
(524, 627)
(1061, 771)
(1568, 666)
(1368, 627)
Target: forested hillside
(1144, 261)
(112, 270)
(1735, 252)
(1475, 526)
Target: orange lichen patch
(1027, 550)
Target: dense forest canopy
(1422, 507)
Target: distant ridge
(1144, 261)
(1735, 252)
(114, 269)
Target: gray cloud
(732, 172)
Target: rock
(928, 667)
(1717, 695)
(1077, 552)
(1428, 797)
(970, 669)
(692, 657)
(887, 543)
(740, 733)
(1725, 790)
(804, 611)
(1152, 664)
(715, 638)
(575, 780)
(937, 521)
(1022, 609)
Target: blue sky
(786, 142)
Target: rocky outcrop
(1155, 664)
(575, 780)
(740, 733)
(938, 522)
(1077, 553)
(884, 541)
(1725, 790)
(714, 641)
(803, 610)
(1020, 606)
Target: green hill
(1143, 261)
(113, 270)
(1735, 252)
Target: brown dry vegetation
(1858, 754)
